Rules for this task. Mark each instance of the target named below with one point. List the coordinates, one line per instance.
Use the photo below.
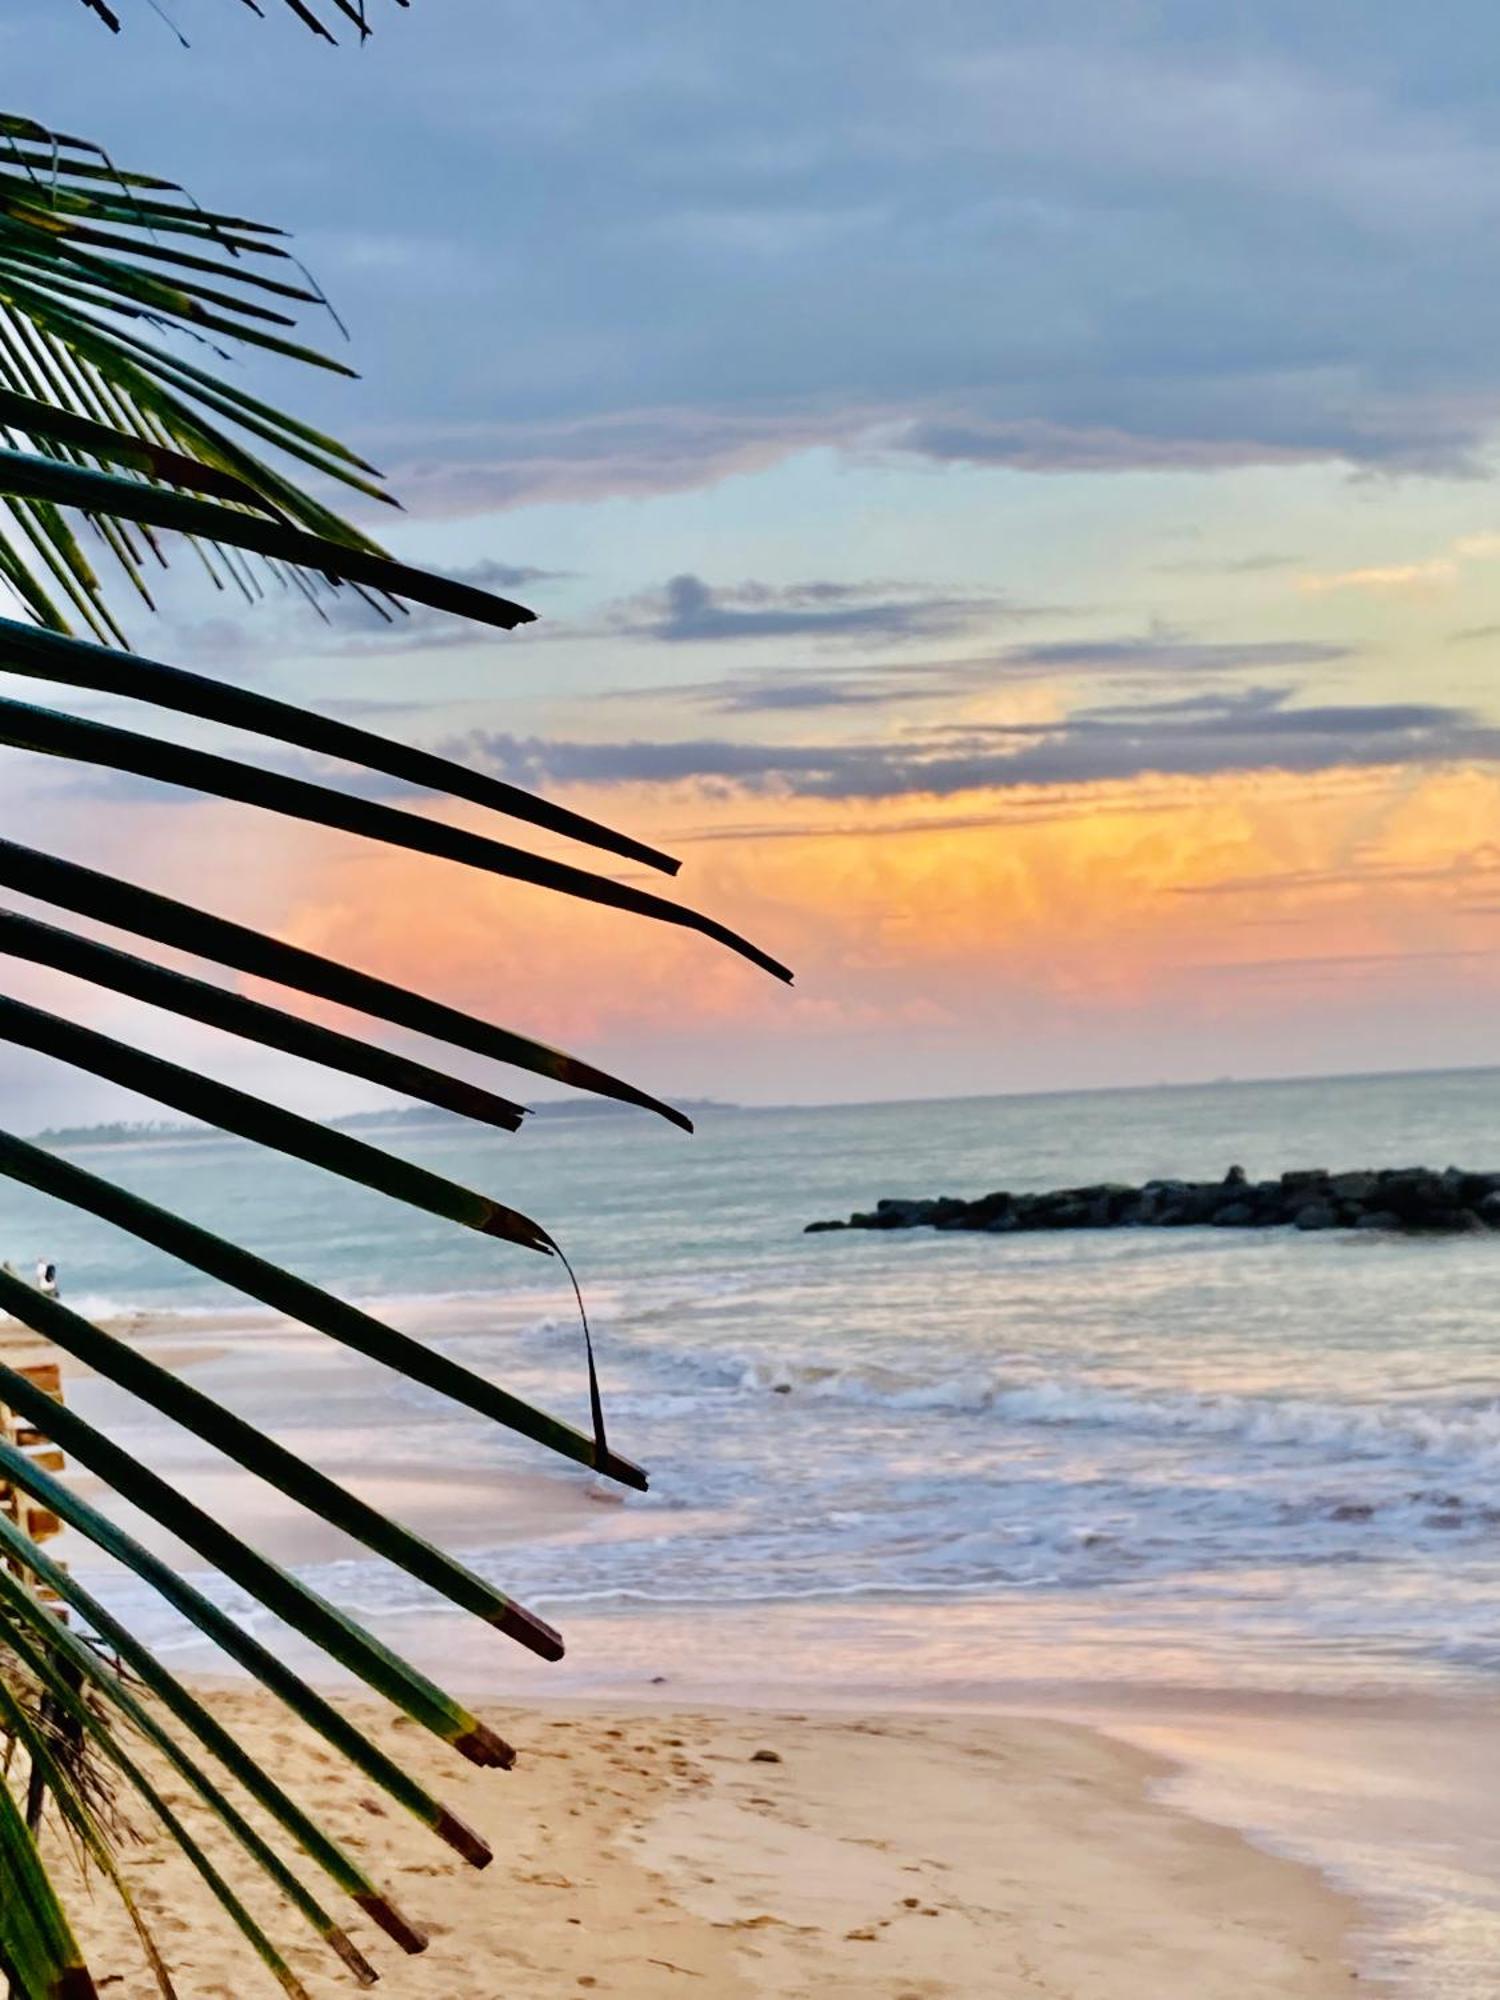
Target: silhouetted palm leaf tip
(352, 11)
(112, 442)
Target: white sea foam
(1455, 1433)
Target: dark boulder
(1234, 1215)
(1352, 1187)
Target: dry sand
(149, 1334)
(643, 1853)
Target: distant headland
(420, 1118)
(1416, 1200)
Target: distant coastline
(421, 1117)
(418, 1118)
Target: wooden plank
(41, 1524)
(34, 1519)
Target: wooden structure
(33, 1519)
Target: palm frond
(165, 921)
(23, 726)
(100, 1704)
(92, 260)
(194, 999)
(201, 1098)
(99, 1732)
(113, 442)
(41, 656)
(352, 11)
(351, 1326)
(89, 1668)
(38, 1951)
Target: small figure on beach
(46, 1278)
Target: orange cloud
(1430, 573)
(1158, 898)
(1435, 573)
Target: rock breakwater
(1415, 1200)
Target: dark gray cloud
(1168, 652)
(1255, 730)
(688, 610)
(489, 574)
(623, 250)
(1130, 660)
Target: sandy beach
(646, 1852)
(175, 1342)
(717, 1849)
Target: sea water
(916, 1465)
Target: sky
(1008, 492)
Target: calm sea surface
(1260, 1462)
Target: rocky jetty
(1416, 1200)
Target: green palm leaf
(80, 1684)
(47, 482)
(168, 1394)
(236, 1111)
(25, 727)
(38, 1951)
(168, 922)
(115, 443)
(62, 1777)
(271, 1671)
(98, 1732)
(194, 999)
(46, 656)
(89, 1667)
(350, 1325)
(328, 1628)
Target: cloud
(1253, 730)
(1465, 866)
(1169, 653)
(1029, 444)
(900, 683)
(685, 251)
(1431, 573)
(479, 468)
(690, 610)
(1224, 566)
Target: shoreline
(912, 1665)
(738, 1852)
(1380, 1806)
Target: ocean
(1154, 1474)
